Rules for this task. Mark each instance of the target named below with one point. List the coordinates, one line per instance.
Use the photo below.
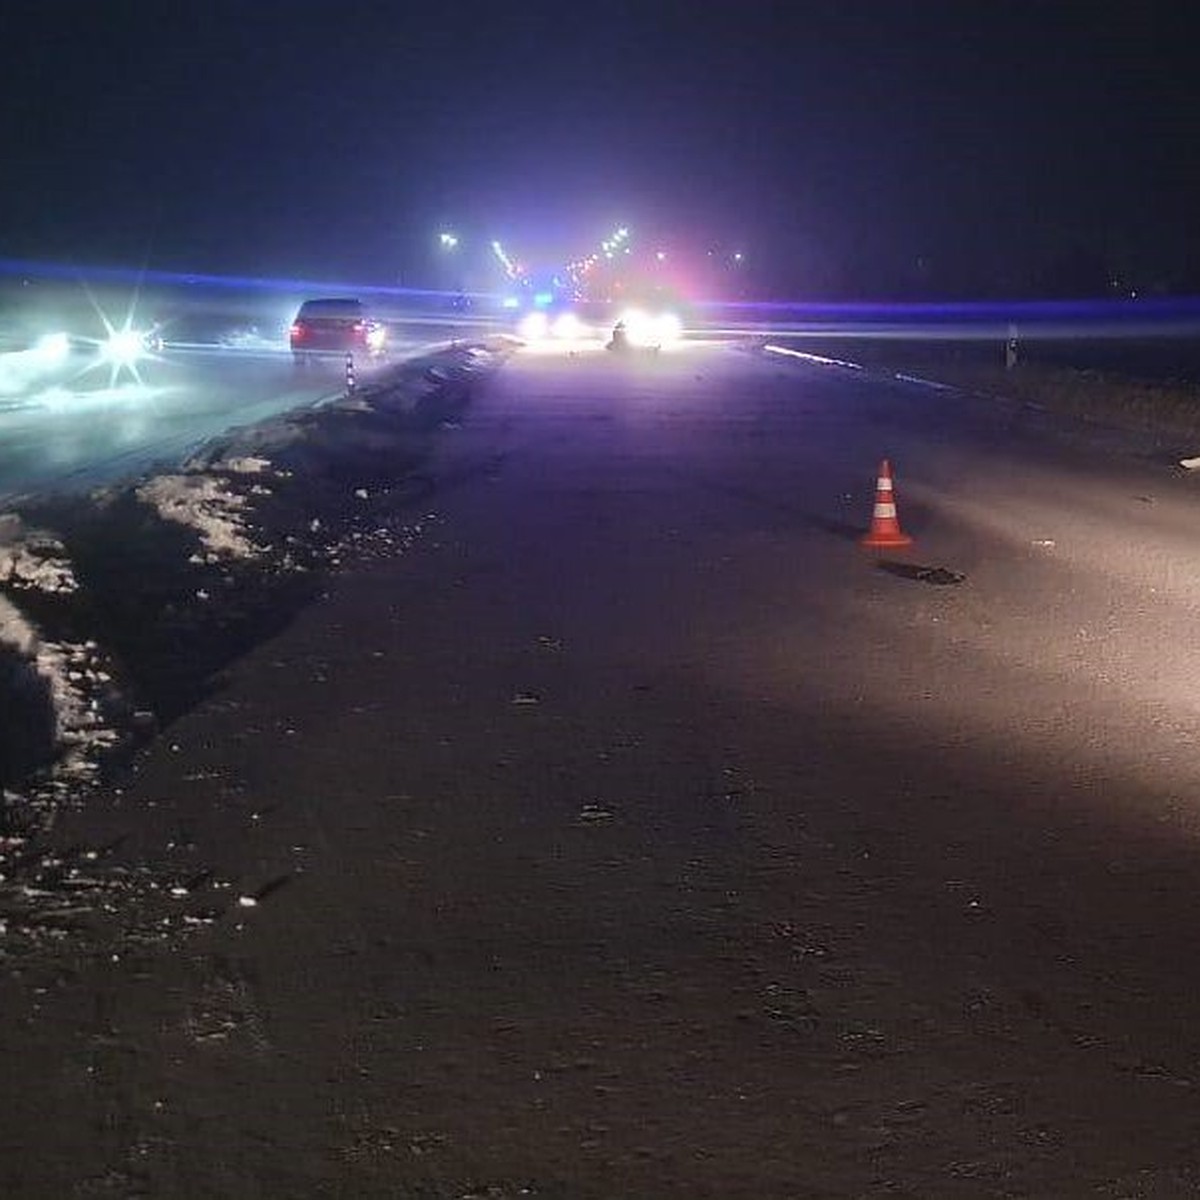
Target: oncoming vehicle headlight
(670, 329)
(651, 330)
(534, 326)
(123, 347)
(567, 326)
(640, 328)
(376, 336)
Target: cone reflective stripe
(885, 528)
(350, 379)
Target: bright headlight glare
(376, 336)
(124, 347)
(639, 328)
(533, 326)
(53, 348)
(670, 328)
(567, 325)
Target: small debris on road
(594, 814)
(939, 576)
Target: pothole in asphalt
(938, 576)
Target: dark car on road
(335, 327)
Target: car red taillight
(298, 332)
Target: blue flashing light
(543, 299)
(37, 270)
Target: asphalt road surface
(644, 836)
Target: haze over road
(58, 435)
(647, 837)
(77, 423)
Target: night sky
(854, 148)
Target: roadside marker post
(1011, 350)
(351, 382)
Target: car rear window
(332, 308)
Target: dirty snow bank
(74, 676)
(15, 630)
(247, 465)
(200, 502)
(33, 560)
(176, 576)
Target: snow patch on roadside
(175, 608)
(73, 673)
(247, 464)
(37, 562)
(203, 504)
(15, 630)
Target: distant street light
(737, 257)
(449, 240)
(661, 256)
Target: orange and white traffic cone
(885, 532)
